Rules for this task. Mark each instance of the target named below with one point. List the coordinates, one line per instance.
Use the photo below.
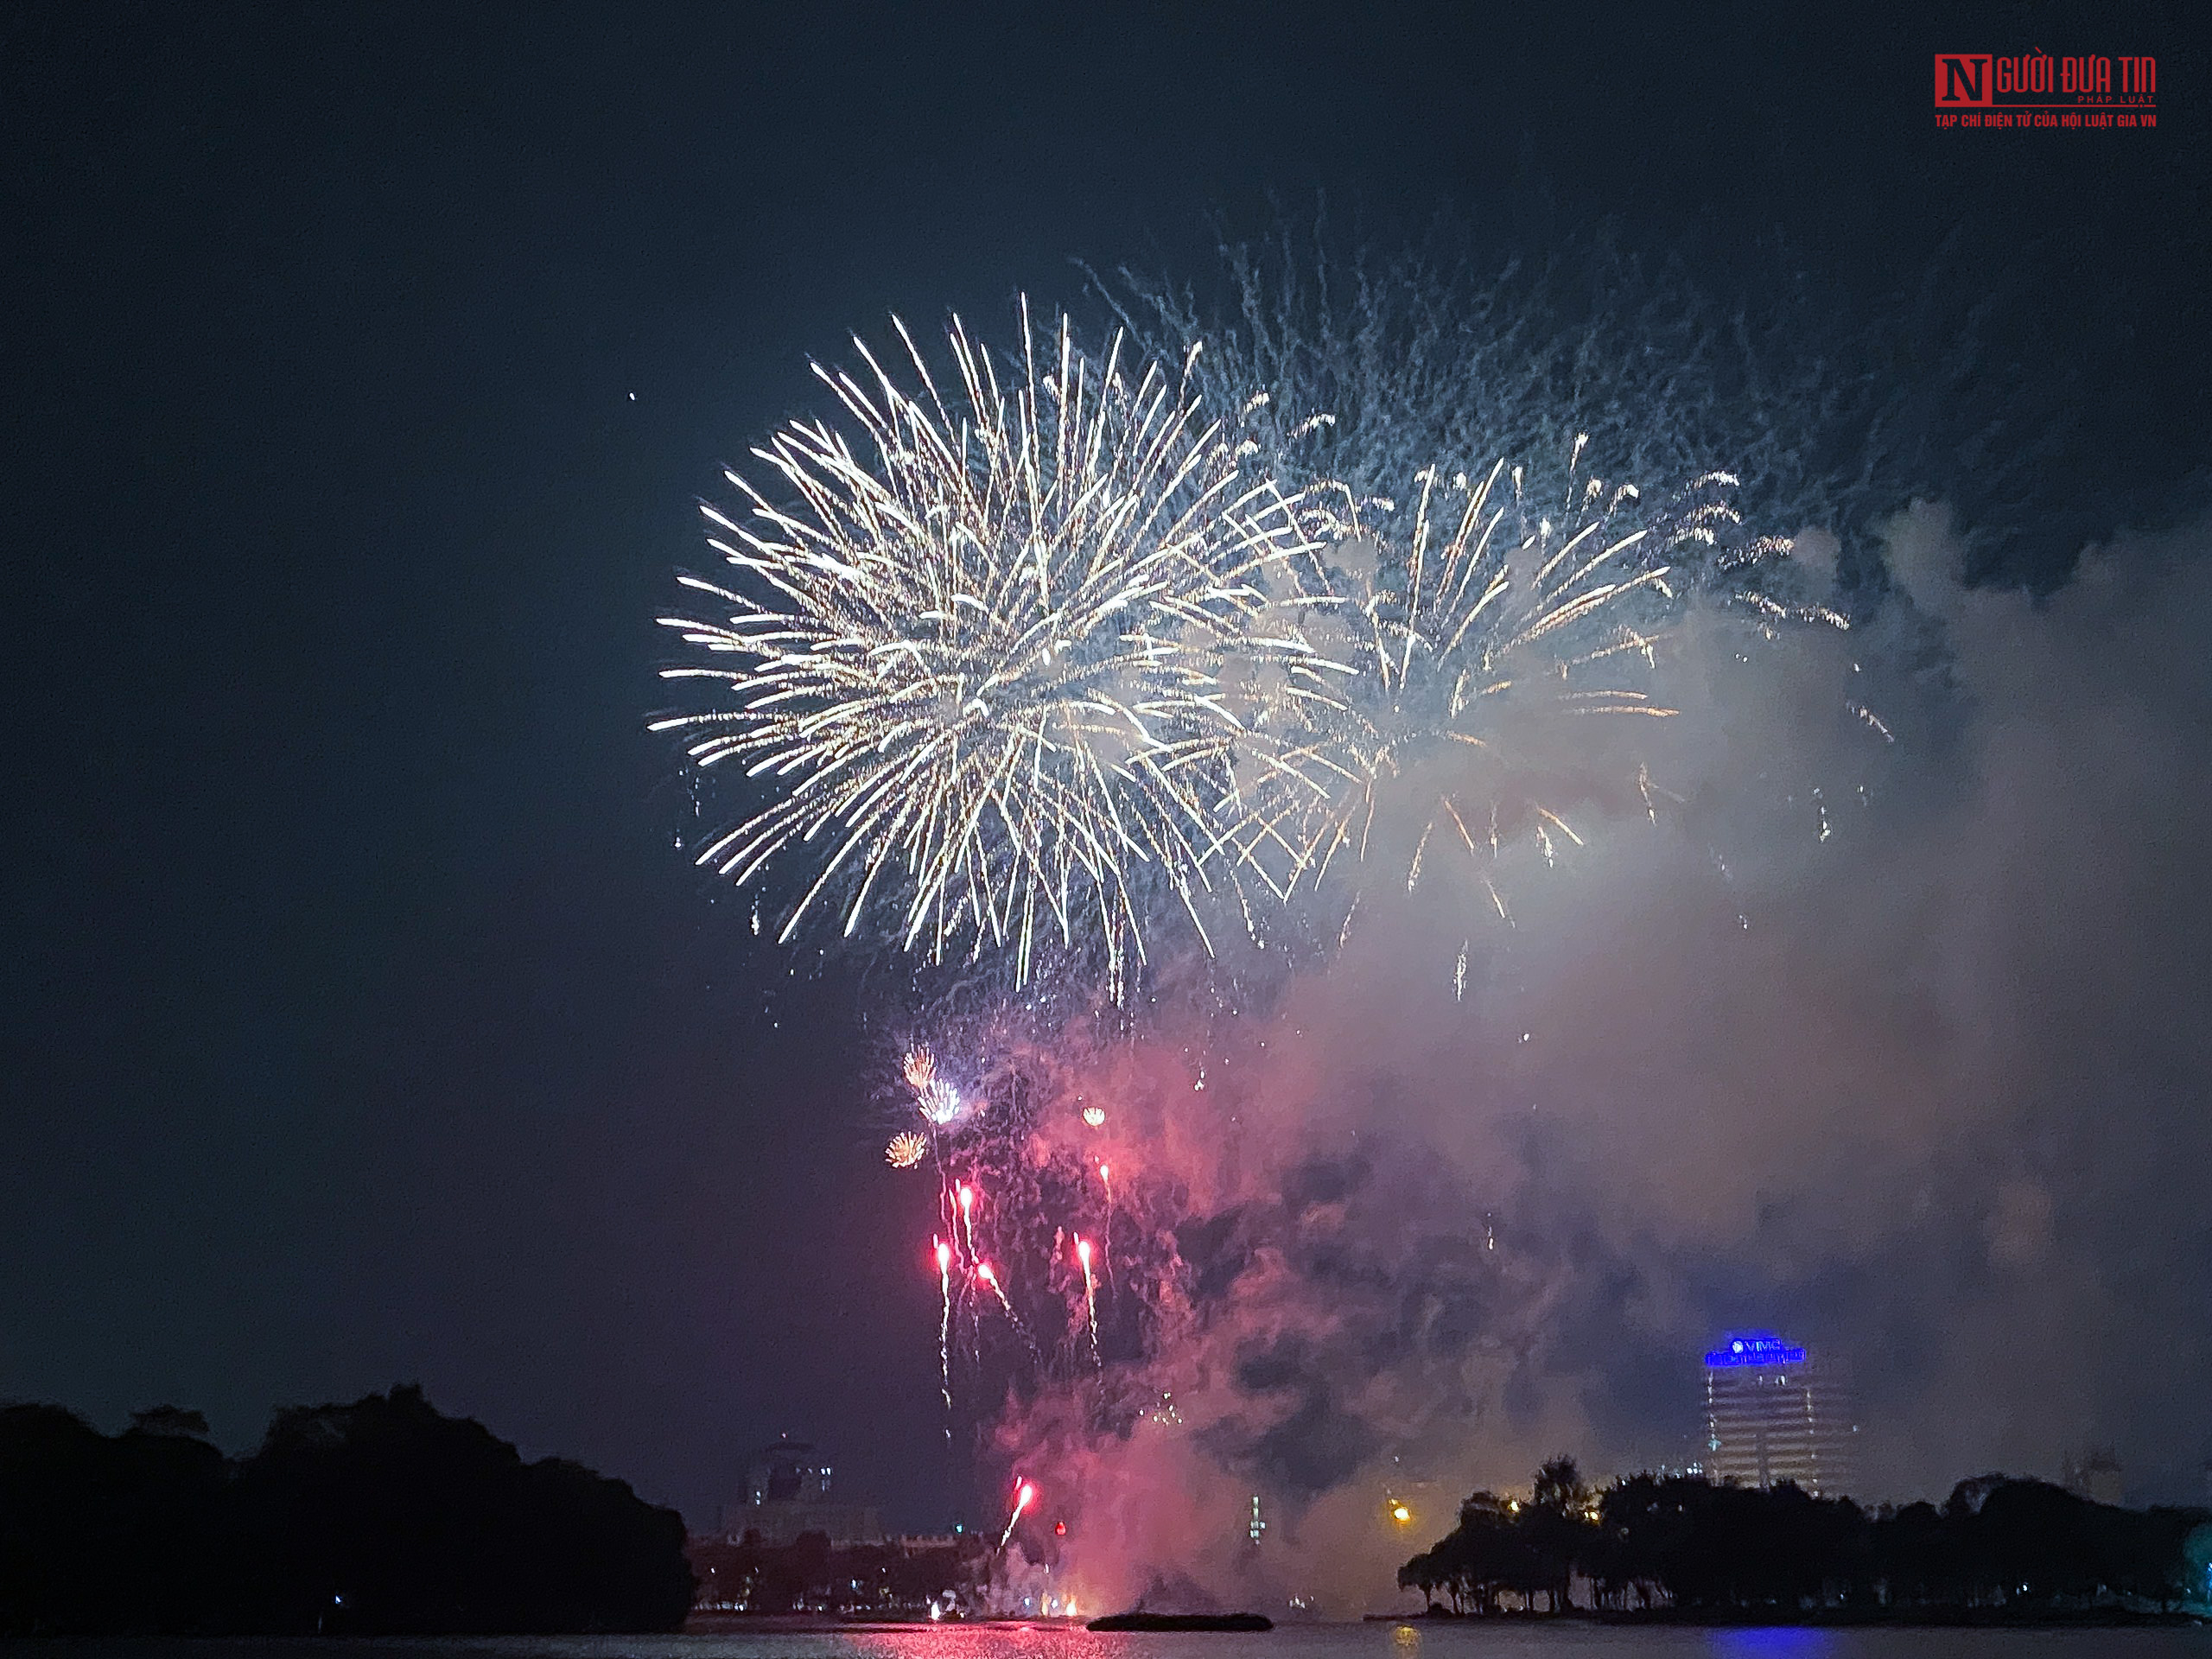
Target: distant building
(790, 1472)
(928, 1543)
(1774, 1414)
(2096, 1475)
(787, 1493)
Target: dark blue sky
(360, 1022)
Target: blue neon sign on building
(1754, 1348)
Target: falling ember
(1094, 1115)
(1024, 1495)
(1090, 1294)
(905, 1150)
(985, 1272)
(944, 1330)
(967, 1195)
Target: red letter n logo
(1963, 80)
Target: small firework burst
(905, 1150)
(1095, 1116)
(920, 1067)
(937, 1100)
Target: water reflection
(1505, 1639)
(1773, 1643)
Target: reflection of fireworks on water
(905, 1150)
(981, 652)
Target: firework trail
(979, 647)
(1090, 1294)
(944, 1329)
(1024, 1494)
(989, 1276)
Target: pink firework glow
(1025, 1494)
(1089, 1294)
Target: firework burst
(1484, 628)
(979, 641)
(905, 1150)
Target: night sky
(362, 1023)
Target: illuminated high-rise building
(1774, 1413)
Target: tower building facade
(1775, 1412)
(787, 1496)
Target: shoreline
(1826, 1619)
(1830, 1619)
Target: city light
(1755, 1348)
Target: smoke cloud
(1884, 1030)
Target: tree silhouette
(1557, 1529)
(2009, 1548)
(379, 1516)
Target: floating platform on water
(1182, 1622)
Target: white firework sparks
(1480, 624)
(937, 1100)
(991, 654)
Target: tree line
(382, 1516)
(1685, 1543)
(809, 1574)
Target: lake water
(1379, 1641)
